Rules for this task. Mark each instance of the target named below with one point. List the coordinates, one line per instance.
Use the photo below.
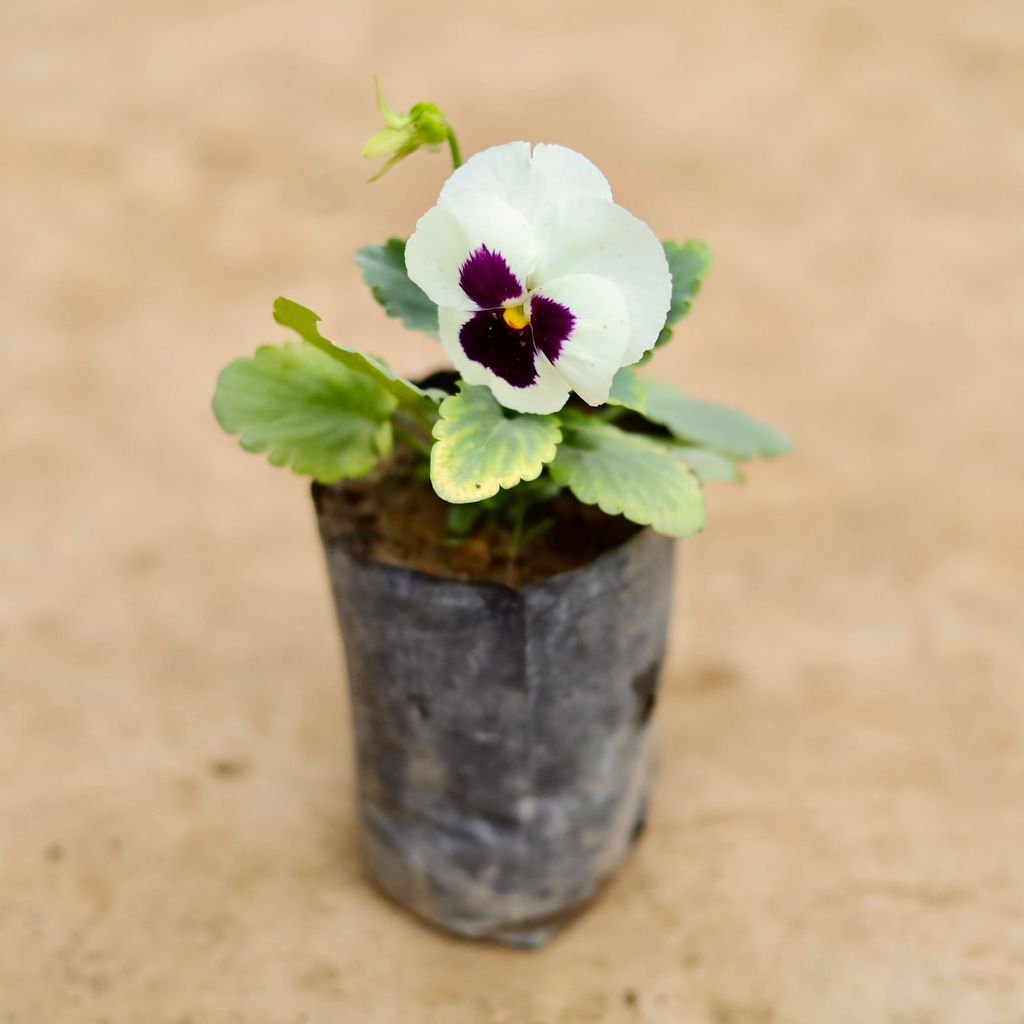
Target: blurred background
(838, 829)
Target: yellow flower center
(515, 317)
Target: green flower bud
(424, 125)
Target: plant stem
(408, 437)
(517, 538)
(611, 413)
(424, 415)
(453, 145)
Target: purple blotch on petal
(506, 352)
(487, 279)
(552, 324)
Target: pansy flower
(544, 286)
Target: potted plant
(499, 538)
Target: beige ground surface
(838, 831)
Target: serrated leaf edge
(507, 482)
(609, 507)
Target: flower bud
(424, 125)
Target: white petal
(548, 394)
(448, 232)
(589, 236)
(593, 352)
(502, 171)
(552, 174)
(558, 174)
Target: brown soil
(395, 517)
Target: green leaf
(711, 426)
(709, 465)
(634, 475)
(689, 263)
(462, 519)
(481, 447)
(383, 268)
(628, 390)
(304, 322)
(305, 410)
